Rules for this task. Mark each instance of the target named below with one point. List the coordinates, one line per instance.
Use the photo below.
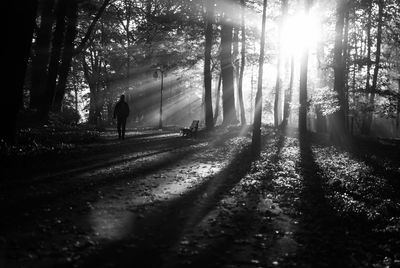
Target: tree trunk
(235, 59)
(364, 127)
(303, 93)
(228, 98)
(278, 82)
(252, 95)
(67, 55)
(94, 80)
(322, 82)
(18, 45)
(243, 63)
(92, 91)
(354, 98)
(303, 83)
(376, 68)
(256, 138)
(217, 99)
(346, 55)
(54, 59)
(338, 131)
(288, 96)
(209, 20)
(41, 56)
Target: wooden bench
(192, 130)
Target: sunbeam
(299, 31)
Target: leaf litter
(318, 206)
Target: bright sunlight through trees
(300, 31)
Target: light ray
(299, 31)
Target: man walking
(121, 112)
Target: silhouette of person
(121, 112)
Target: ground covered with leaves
(157, 199)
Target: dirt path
(98, 200)
(160, 200)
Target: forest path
(92, 199)
(159, 200)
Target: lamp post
(159, 69)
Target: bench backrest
(194, 125)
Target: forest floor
(157, 199)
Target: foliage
(57, 138)
(68, 116)
(132, 38)
(326, 99)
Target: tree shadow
(328, 234)
(26, 166)
(54, 189)
(279, 146)
(157, 235)
(206, 197)
(383, 159)
(322, 234)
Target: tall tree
(242, 62)
(69, 50)
(303, 80)
(18, 45)
(217, 98)
(92, 64)
(209, 20)
(357, 51)
(345, 62)
(67, 54)
(376, 67)
(278, 83)
(365, 127)
(41, 53)
(228, 96)
(338, 130)
(322, 82)
(236, 64)
(288, 96)
(256, 138)
(58, 38)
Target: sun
(298, 32)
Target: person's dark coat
(121, 110)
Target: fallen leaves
(291, 207)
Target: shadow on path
(154, 239)
(322, 233)
(334, 226)
(27, 196)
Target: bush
(68, 116)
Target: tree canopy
(326, 63)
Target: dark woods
(249, 133)
(76, 57)
(53, 27)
